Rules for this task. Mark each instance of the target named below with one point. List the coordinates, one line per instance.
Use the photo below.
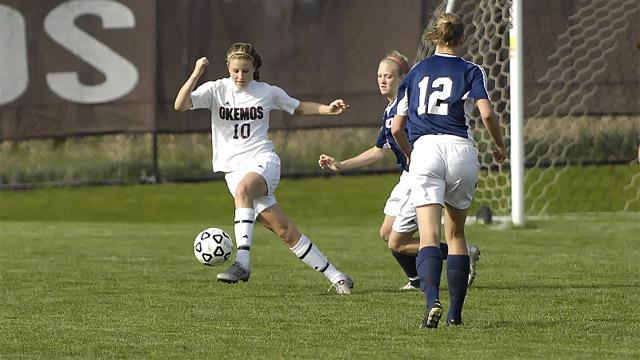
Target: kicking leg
(274, 219)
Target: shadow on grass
(556, 286)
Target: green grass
(108, 272)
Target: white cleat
(234, 273)
(344, 286)
(411, 285)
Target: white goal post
(516, 56)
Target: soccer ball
(212, 247)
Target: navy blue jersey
(385, 138)
(437, 94)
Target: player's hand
(499, 154)
(201, 64)
(337, 107)
(326, 162)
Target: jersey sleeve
(402, 108)
(381, 141)
(282, 101)
(203, 97)
(478, 84)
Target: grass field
(108, 272)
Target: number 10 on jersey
(241, 130)
(437, 98)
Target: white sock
(243, 227)
(311, 255)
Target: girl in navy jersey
(240, 107)
(399, 222)
(434, 99)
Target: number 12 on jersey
(437, 97)
(243, 130)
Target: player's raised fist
(337, 107)
(201, 64)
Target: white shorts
(399, 206)
(266, 165)
(444, 170)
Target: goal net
(582, 113)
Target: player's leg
(406, 261)
(252, 189)
(274, 219)
(400, 244)
(406, 258)
(399, 198)
(429, 261)
(457, 263)
(427, 170)
(461, 177)
(249, 187)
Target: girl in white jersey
(240, 107)
(443, 160)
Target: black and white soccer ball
(212, 247)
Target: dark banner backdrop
(81, 67)
(89, 67)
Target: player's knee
(242, 191)
(394, 245)
(245, 192)
(384, 234)
(398, 243)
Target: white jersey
(240, 119)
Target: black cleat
(432, 317)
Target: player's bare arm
(491, 123)
(336, 107)
(183, 99)
(367, 157)
(397, 130)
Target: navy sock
(429, 266)
(457, 278)
(407, 263)
(444, 249)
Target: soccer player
(443, 169)
(399, 222)
(240, 105)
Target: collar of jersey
(445, 55)
(390, 106)
(236, 88)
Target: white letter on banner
(14, 73)
(121, 75)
